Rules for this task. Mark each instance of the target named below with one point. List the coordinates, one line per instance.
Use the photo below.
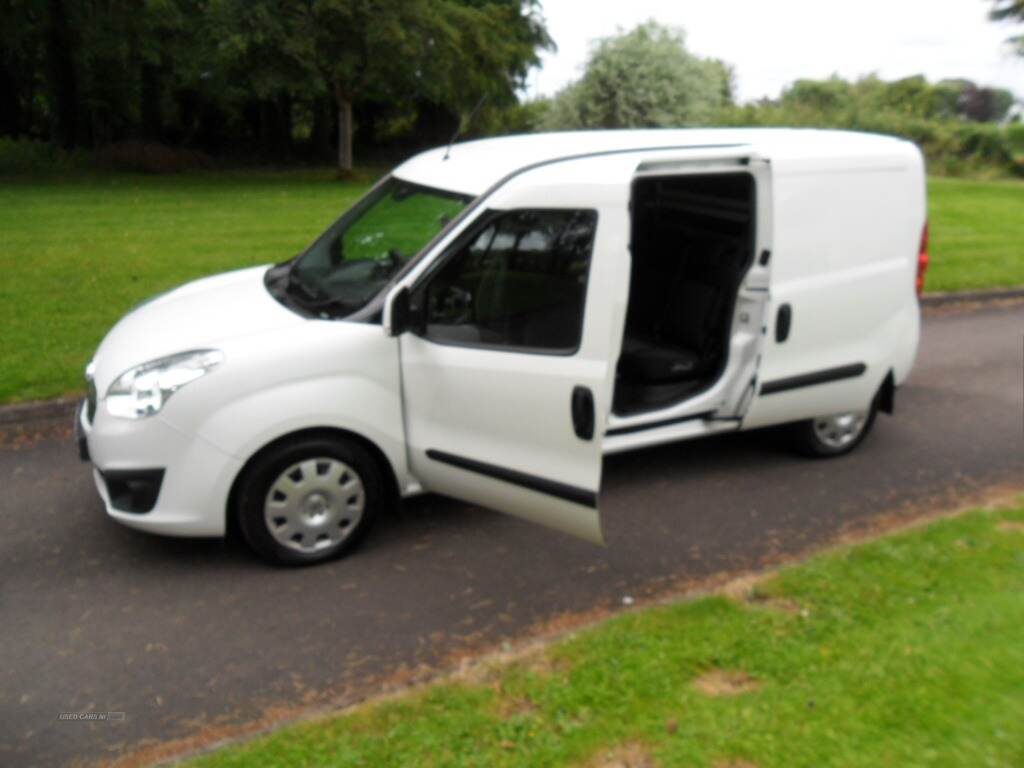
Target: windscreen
(359, 254)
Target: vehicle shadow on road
(436, 519)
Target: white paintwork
(847, 237)
(474, 167)
(512, 409)
(286, 375)
(841, 212)
(202, 313)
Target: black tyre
(835, 435)
(309, 500)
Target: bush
(1015, 142)
(26, 157)
(150, 157)
(952, 147)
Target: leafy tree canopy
(644, 78)
(219, 74)
(1010, 10)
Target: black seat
(647, 362)
(681, 348)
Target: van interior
(692, 243)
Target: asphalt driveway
(183, 636)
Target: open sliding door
(702, 259)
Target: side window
(519, 283)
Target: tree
(256, 75)
(260, 57)
(643, 78)
(23, 81)
(1009, 10)
(984, 105)
(62, 75)
(434, 51)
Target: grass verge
(903, 651)
(977, 234)
(76, 253)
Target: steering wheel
(460, 303)
(389, 264)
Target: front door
(505, 379)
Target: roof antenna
(458, 128)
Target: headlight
(143, 390)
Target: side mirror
(403, 316)
(400, 314)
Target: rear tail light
(922, 259)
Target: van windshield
(357, 256)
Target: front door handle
(583, 413)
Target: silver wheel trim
(840, 430)
(314, 505)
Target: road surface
(189, 637)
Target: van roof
(473, 167)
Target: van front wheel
(834, 435)
(309, 500)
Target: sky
(773, 42)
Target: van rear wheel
(833, 435)
(309, 500)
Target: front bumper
(190, 496)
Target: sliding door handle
(583, 413)
(783, 322)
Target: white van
(491, 318)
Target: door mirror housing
(403, 316)
(399, 314)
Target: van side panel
(847, 233)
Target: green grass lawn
(76, 253)
(906, 651)
(977, 234)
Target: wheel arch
(332, 433)
(887, 393)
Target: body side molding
(540, 484)
(812, 379)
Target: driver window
(519, 283)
